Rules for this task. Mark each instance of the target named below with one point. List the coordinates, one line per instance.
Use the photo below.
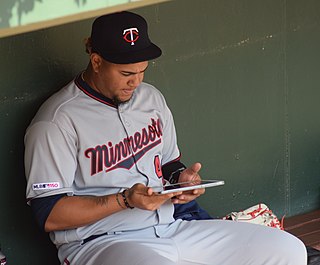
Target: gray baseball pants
(201, 242)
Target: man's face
(118, 81)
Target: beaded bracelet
(125, 200)
(117, 198)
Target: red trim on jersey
(88, 90)
(172, 161)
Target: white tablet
(183, 186)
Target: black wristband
(125, 200)
(174, 176)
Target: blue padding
(190, 211)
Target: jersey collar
(88, 90)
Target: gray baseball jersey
(80, 143)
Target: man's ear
(96, 61)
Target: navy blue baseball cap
(122, 38)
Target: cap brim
(147, 54)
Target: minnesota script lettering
(125, 153)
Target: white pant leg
(216, 242)
(140, 247)
(207, 242)
(123, 253)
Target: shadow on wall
(22, 7)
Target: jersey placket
(127, 126)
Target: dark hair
(88, 45)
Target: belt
(86, 240)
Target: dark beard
(117, 101)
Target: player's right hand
(145, 198)
(189, 174)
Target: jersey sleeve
(50, 160)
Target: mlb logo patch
(46, 186)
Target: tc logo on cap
(131, 35)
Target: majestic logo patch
(46, 186)
(131, 35)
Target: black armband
(171, 171)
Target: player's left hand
(189, 174)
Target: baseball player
(94, 152)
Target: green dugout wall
(241, 78)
